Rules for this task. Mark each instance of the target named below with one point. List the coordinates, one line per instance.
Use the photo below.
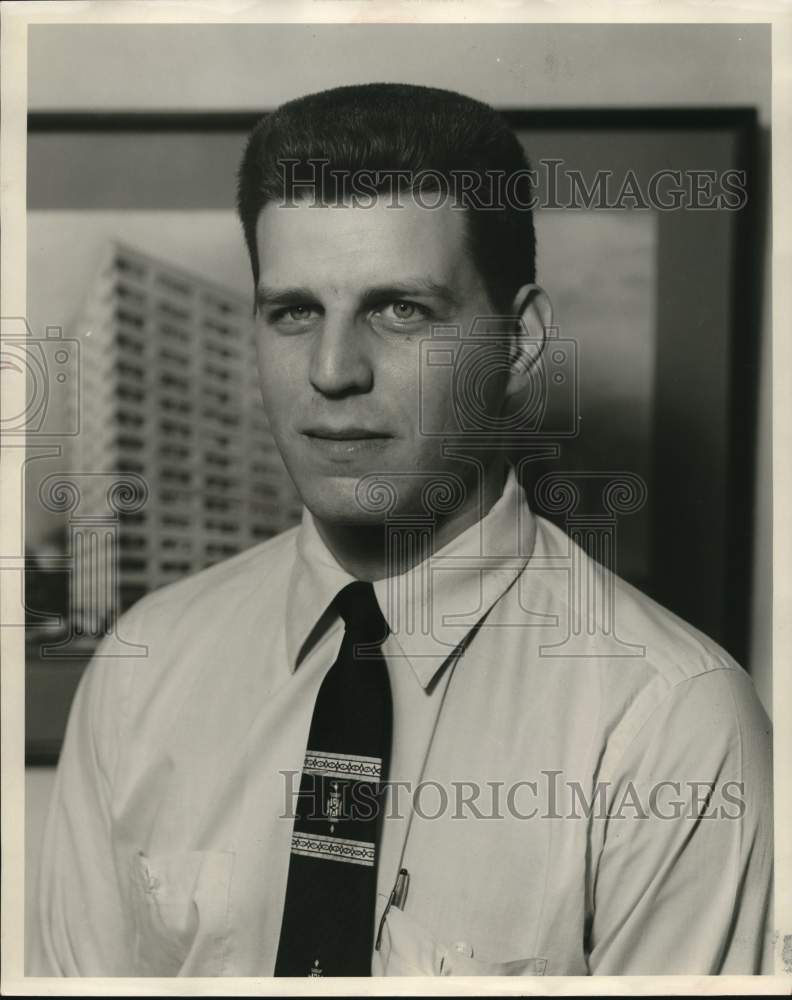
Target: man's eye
(402, 312)
(292, 314)
(298, 312)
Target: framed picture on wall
(654, 288)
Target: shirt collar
(430, 608)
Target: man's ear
(535, 313)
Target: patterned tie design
(328, 917)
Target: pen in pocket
(397, 898)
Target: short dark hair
(398, 130)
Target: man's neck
(364, 550)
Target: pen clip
(397, 898)
(400, 888)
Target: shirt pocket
(181, 905)
(406, 949)
(409, 949)
(455, 964)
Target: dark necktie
(328, 917)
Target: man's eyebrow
(409, 287)
(266, 296)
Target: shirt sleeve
(683, 881)
(81, 927)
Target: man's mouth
(350, 433)
(346, 442)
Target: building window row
(130, 294)
(222, 305)
(181, 544)
(175, 476)
(173, 427)
(173, 566)
(126, 464)
(223, 374)
(167, 354)
(221, 417)
(219, 550)
(129, 370)
(130, 441)
(169, 450)
(127, 266)
(174, 312)
(175, 405)
(128, 419)
(132, 319)
(128, 564)
(221, 351)
(175, 333)
(174, 285)
(131, 393)
(221, 328)
(176, 520)
(225, 527)
(132, 541)
(130, 342)
(172, 381)
(262, 489)
(262, 531)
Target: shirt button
(463, 948)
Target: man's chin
(369, 498)
(364, 500)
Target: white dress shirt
(167, 845)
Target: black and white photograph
(390, 499)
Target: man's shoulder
(654, 676)
(642, 634)
(262, 568)
(216, 614)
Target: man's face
(346, 296)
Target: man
(382, 743)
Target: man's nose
(340, 363)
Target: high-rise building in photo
(170, 392)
